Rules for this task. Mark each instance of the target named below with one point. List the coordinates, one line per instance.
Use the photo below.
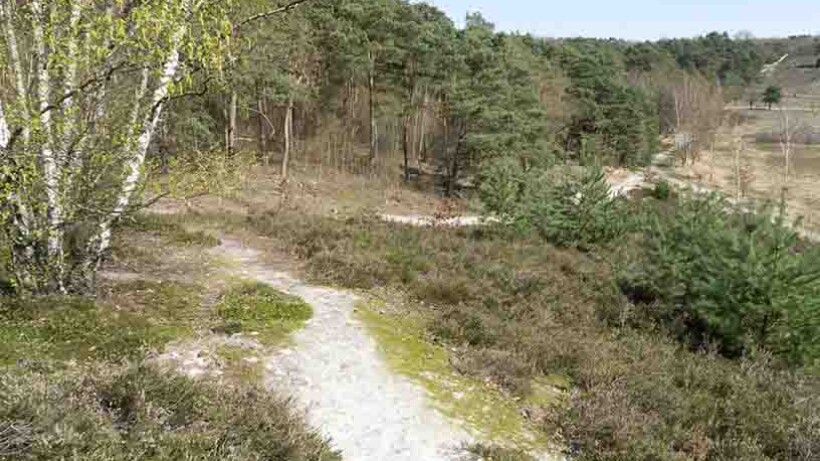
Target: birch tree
(89, 79)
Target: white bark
(20, 215)
(17, 68)
(69, 85)
(47, 157)
(288, 135)
(5, 134)
(102, 240)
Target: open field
(752, 147)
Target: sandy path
(334, 371)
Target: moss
(258, 308)
(140, 317)
(486, 411)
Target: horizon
(643, 20)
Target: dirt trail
(334, 371)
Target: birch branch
(102, 240)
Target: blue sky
(643, 19)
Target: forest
(399, 79)
(140, 141)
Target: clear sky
(643, 19)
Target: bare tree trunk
(786, 141)
(422, 128)
(288, 134)
(372, 107)
(231, 147)
(260, 107)
(405, 136)
(453, 172)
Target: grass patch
(487, 412)
(141, 317)
(257, 308)
(171, 229)
(131, 412)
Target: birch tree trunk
(405, 137)
(371, 84)
(17, 69)
(262, 140)
(85, 98)
(231, 147)
(5, 134)
(288, 132)
(47, 158)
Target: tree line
(94, 91)
(363, 81)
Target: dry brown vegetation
(517, 310)
(765, 134)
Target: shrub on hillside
(514, 310)
(741, 280)
(572, 210)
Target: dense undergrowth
(118, 413)
(517, 308)
(77, 382)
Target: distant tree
(772, 95)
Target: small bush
(258, 307)
(739, 280)
(567, 210)
(170, 229)
(136, 413)
(662, 190)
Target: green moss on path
(486, 412)
(253, 307)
